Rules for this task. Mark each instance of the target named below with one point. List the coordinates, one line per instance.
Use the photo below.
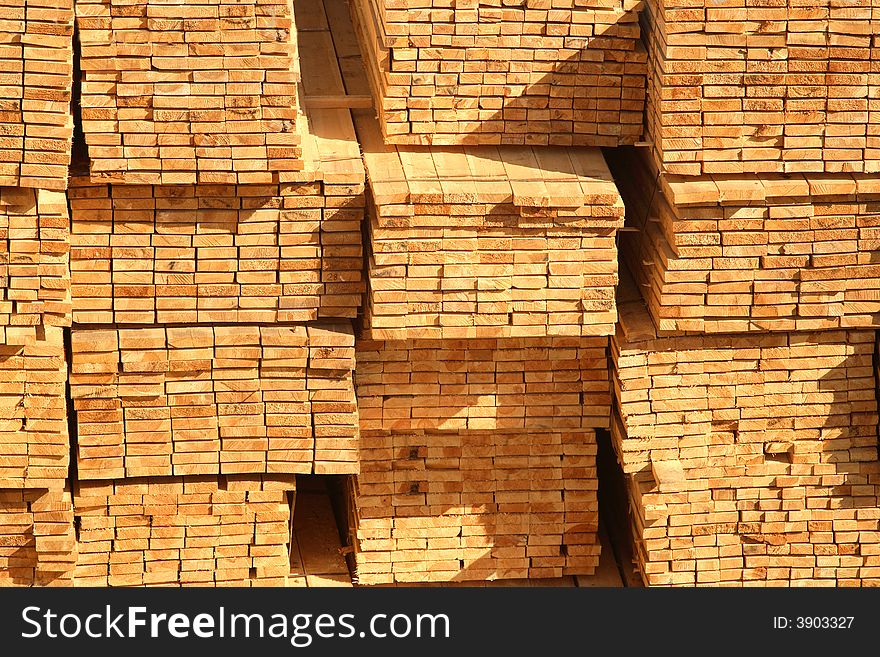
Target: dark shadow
(762, 496)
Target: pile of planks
(478, 458)
(768, 87)
(489, 242)
(34, 445)
(459, 385)
(215, 253)
(740, 254)
(565, 73)
(193, 531)
(751, 460)
(214, 400)
(316, 552)
(36, 81)
(475, 505)
(187, 92)
(37, 540)
(34, 268)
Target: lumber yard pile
(190, 92)
(751, 459)
(478, 458)
(745, 394)
(300, 238)
(216, 263)
(763, 87)
(489, 242)
(215, 229)
(223, 531)
(525, 72)
(36, 83)
(482, 373)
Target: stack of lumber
(36, 79)
(753, 253)
(215, 253)
(279, 252)
(180, 93)
(478, 458)
(34, 445)
(196, 531)
(475, 505)
(34, 269)
(489, 242)
(214, 400)
(763, 87)
(459, 385)
(37, 541)
(751, 460)
(566, 73)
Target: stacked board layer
(489, 242)
(505, 73)
(34, 262)
(212, 253)
(190, 92)
(36, 80)
(214, 400)
(478, 458)
(34, 443)
(763, 87)
(750, 460)
(476, 505)
(194, 531)
(37, 540)
(750, 254)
